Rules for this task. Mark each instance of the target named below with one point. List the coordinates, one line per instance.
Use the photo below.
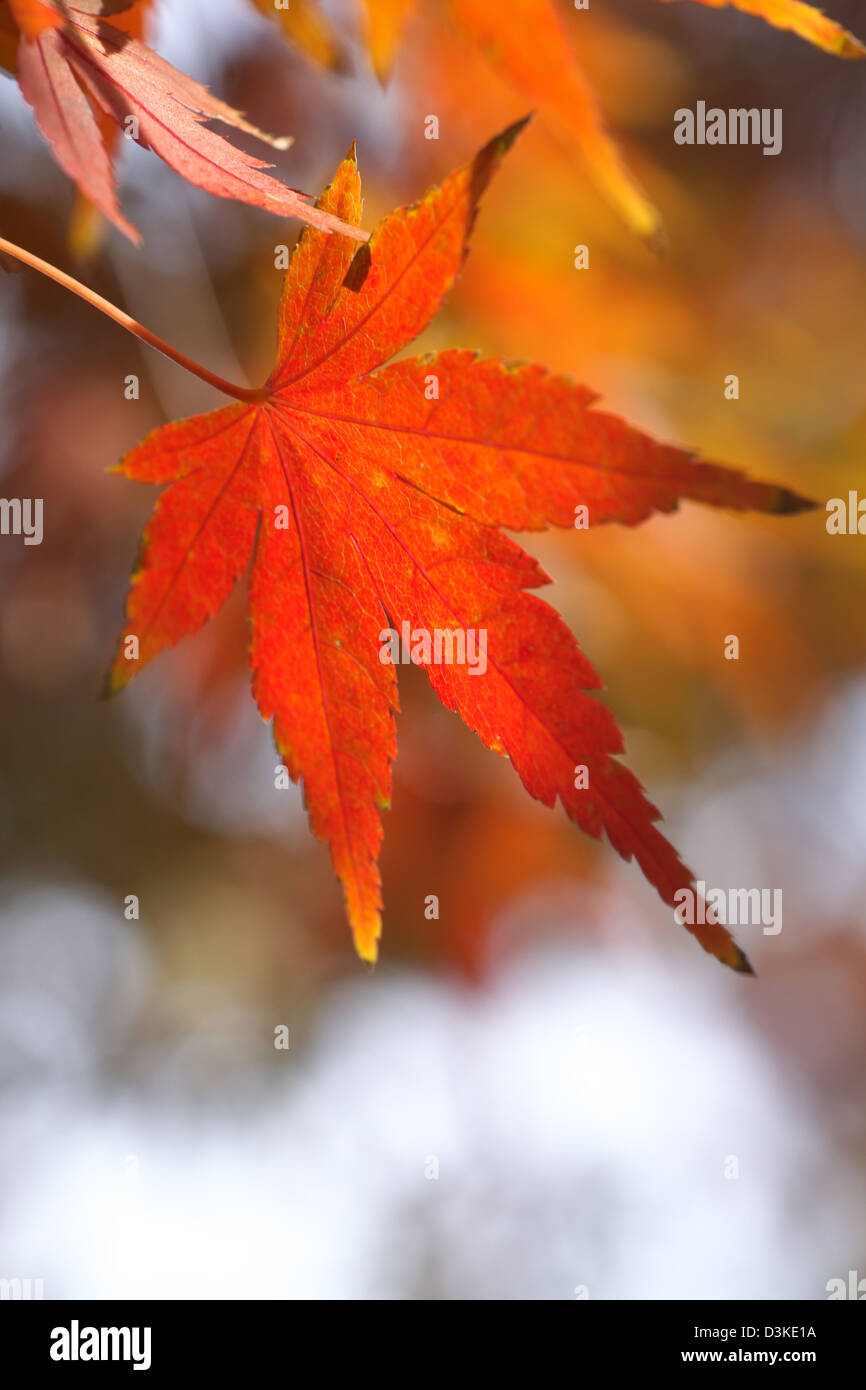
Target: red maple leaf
(371, 495)
(77, 70)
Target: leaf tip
(507, 137)
(112, 684)
(367, 946)
(487, 161)
(788, 503)
(741, 963)
(366, 922)
(849, 46)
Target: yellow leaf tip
(368, 949)
(366, 926)
(112, 684)
(849, 46)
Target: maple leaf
(77, 70)
(530, 43)
(364, 503)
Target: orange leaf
(371, 496)
(529, 41)
(385, 21)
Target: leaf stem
(228, 388)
